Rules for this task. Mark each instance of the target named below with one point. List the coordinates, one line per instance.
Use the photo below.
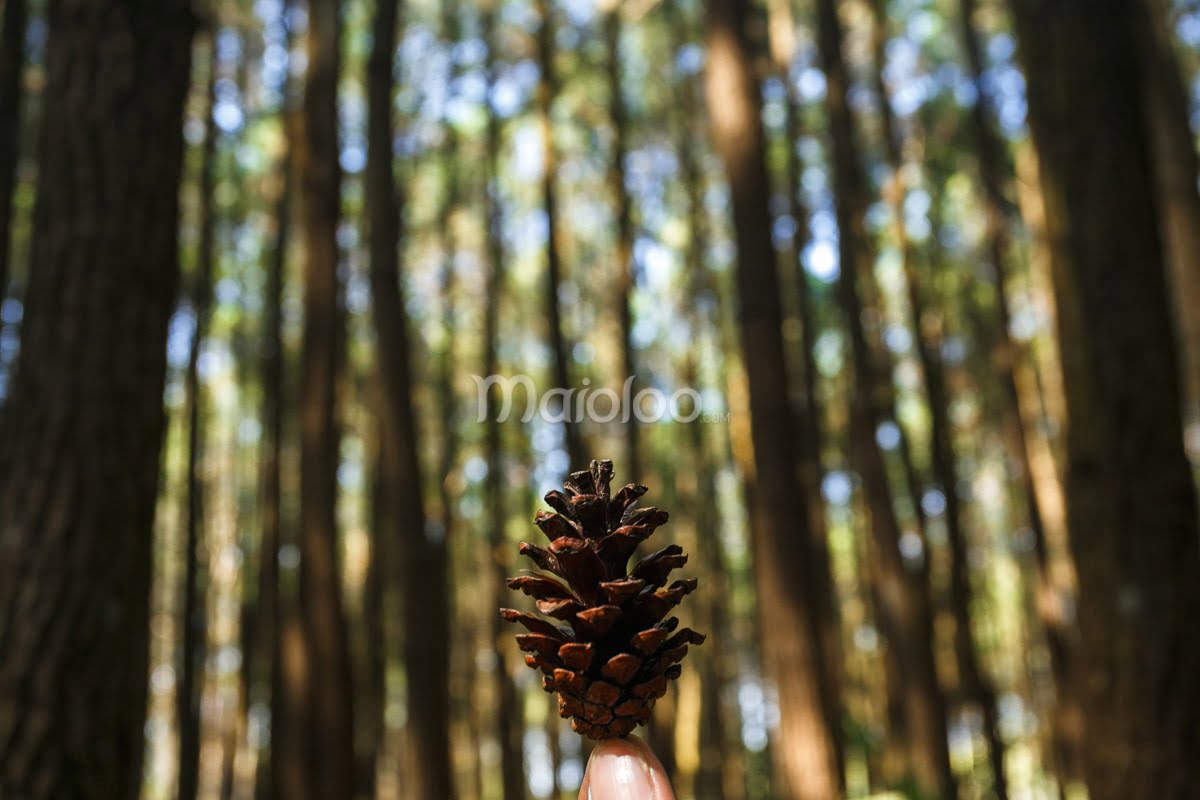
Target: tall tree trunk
(461, 657)
(374, 593)
(714, 776)
(820, 588)
(507, 718)
(193, 620)
(660, 730)
(1176, 171)
(422, 561)
(458, 687)
(12, 63)
(626, 279)
(804, 752)
(1131, 500)
(718, 759)
(245, 460)
(331, 690)
(975, 683)
(554, 745)
(283, 775)
(380, 526)
(547, 90)
(902, 595)
(81, 432)
(989, 153)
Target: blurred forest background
(932, 266)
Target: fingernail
(620, 773)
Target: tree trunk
(282, 776)
(508, 717)
(547, 90)
(989, 151)
(975, 684)
(422, 561)
(331, 691)
(1131, 500)
(12, 63)
(626, 278)
(554, 745)
(461, 657)
(374, 672)
(193, 621)
(82, 428)
(1173, 150)
(902, 595)
(819, 585)
(804, 752)
(715, 776)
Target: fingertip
(625, 769)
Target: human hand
(625, 769)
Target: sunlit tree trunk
(460, 684)
(1175, 171)
(282, 776)
(12, 62)
(714, 775)
(553, 728)
(508, 716)
(901, 593)
(81, 432)
(235, 723)
(331, 692)
(660, 730)
(819, 584)
(1131, 500)
(193, 619)
(804, 751)
(975, 683)
(623, 263)
(989, 154)
(422, 579)
(373, 682)
(547, 91)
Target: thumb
(625, 769)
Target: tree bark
(12, 63)
(421, 560)
(804, 754)
(989, 153)
(975, 683)
(819, 585)
(717, 757)
(1131, 500)
(283, 775)
(81, 432)
(508, 717)
(1175, 172)
(715, 774)
(331, 691)
(460, 684)
(193, 619)
(374, 600)
(902, 595)
(547, 90)
(626, 276)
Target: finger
(625, 769)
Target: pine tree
(81, 431)
(1131, 500)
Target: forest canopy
(309, 309)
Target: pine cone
(616, 655)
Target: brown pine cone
(616, 654)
